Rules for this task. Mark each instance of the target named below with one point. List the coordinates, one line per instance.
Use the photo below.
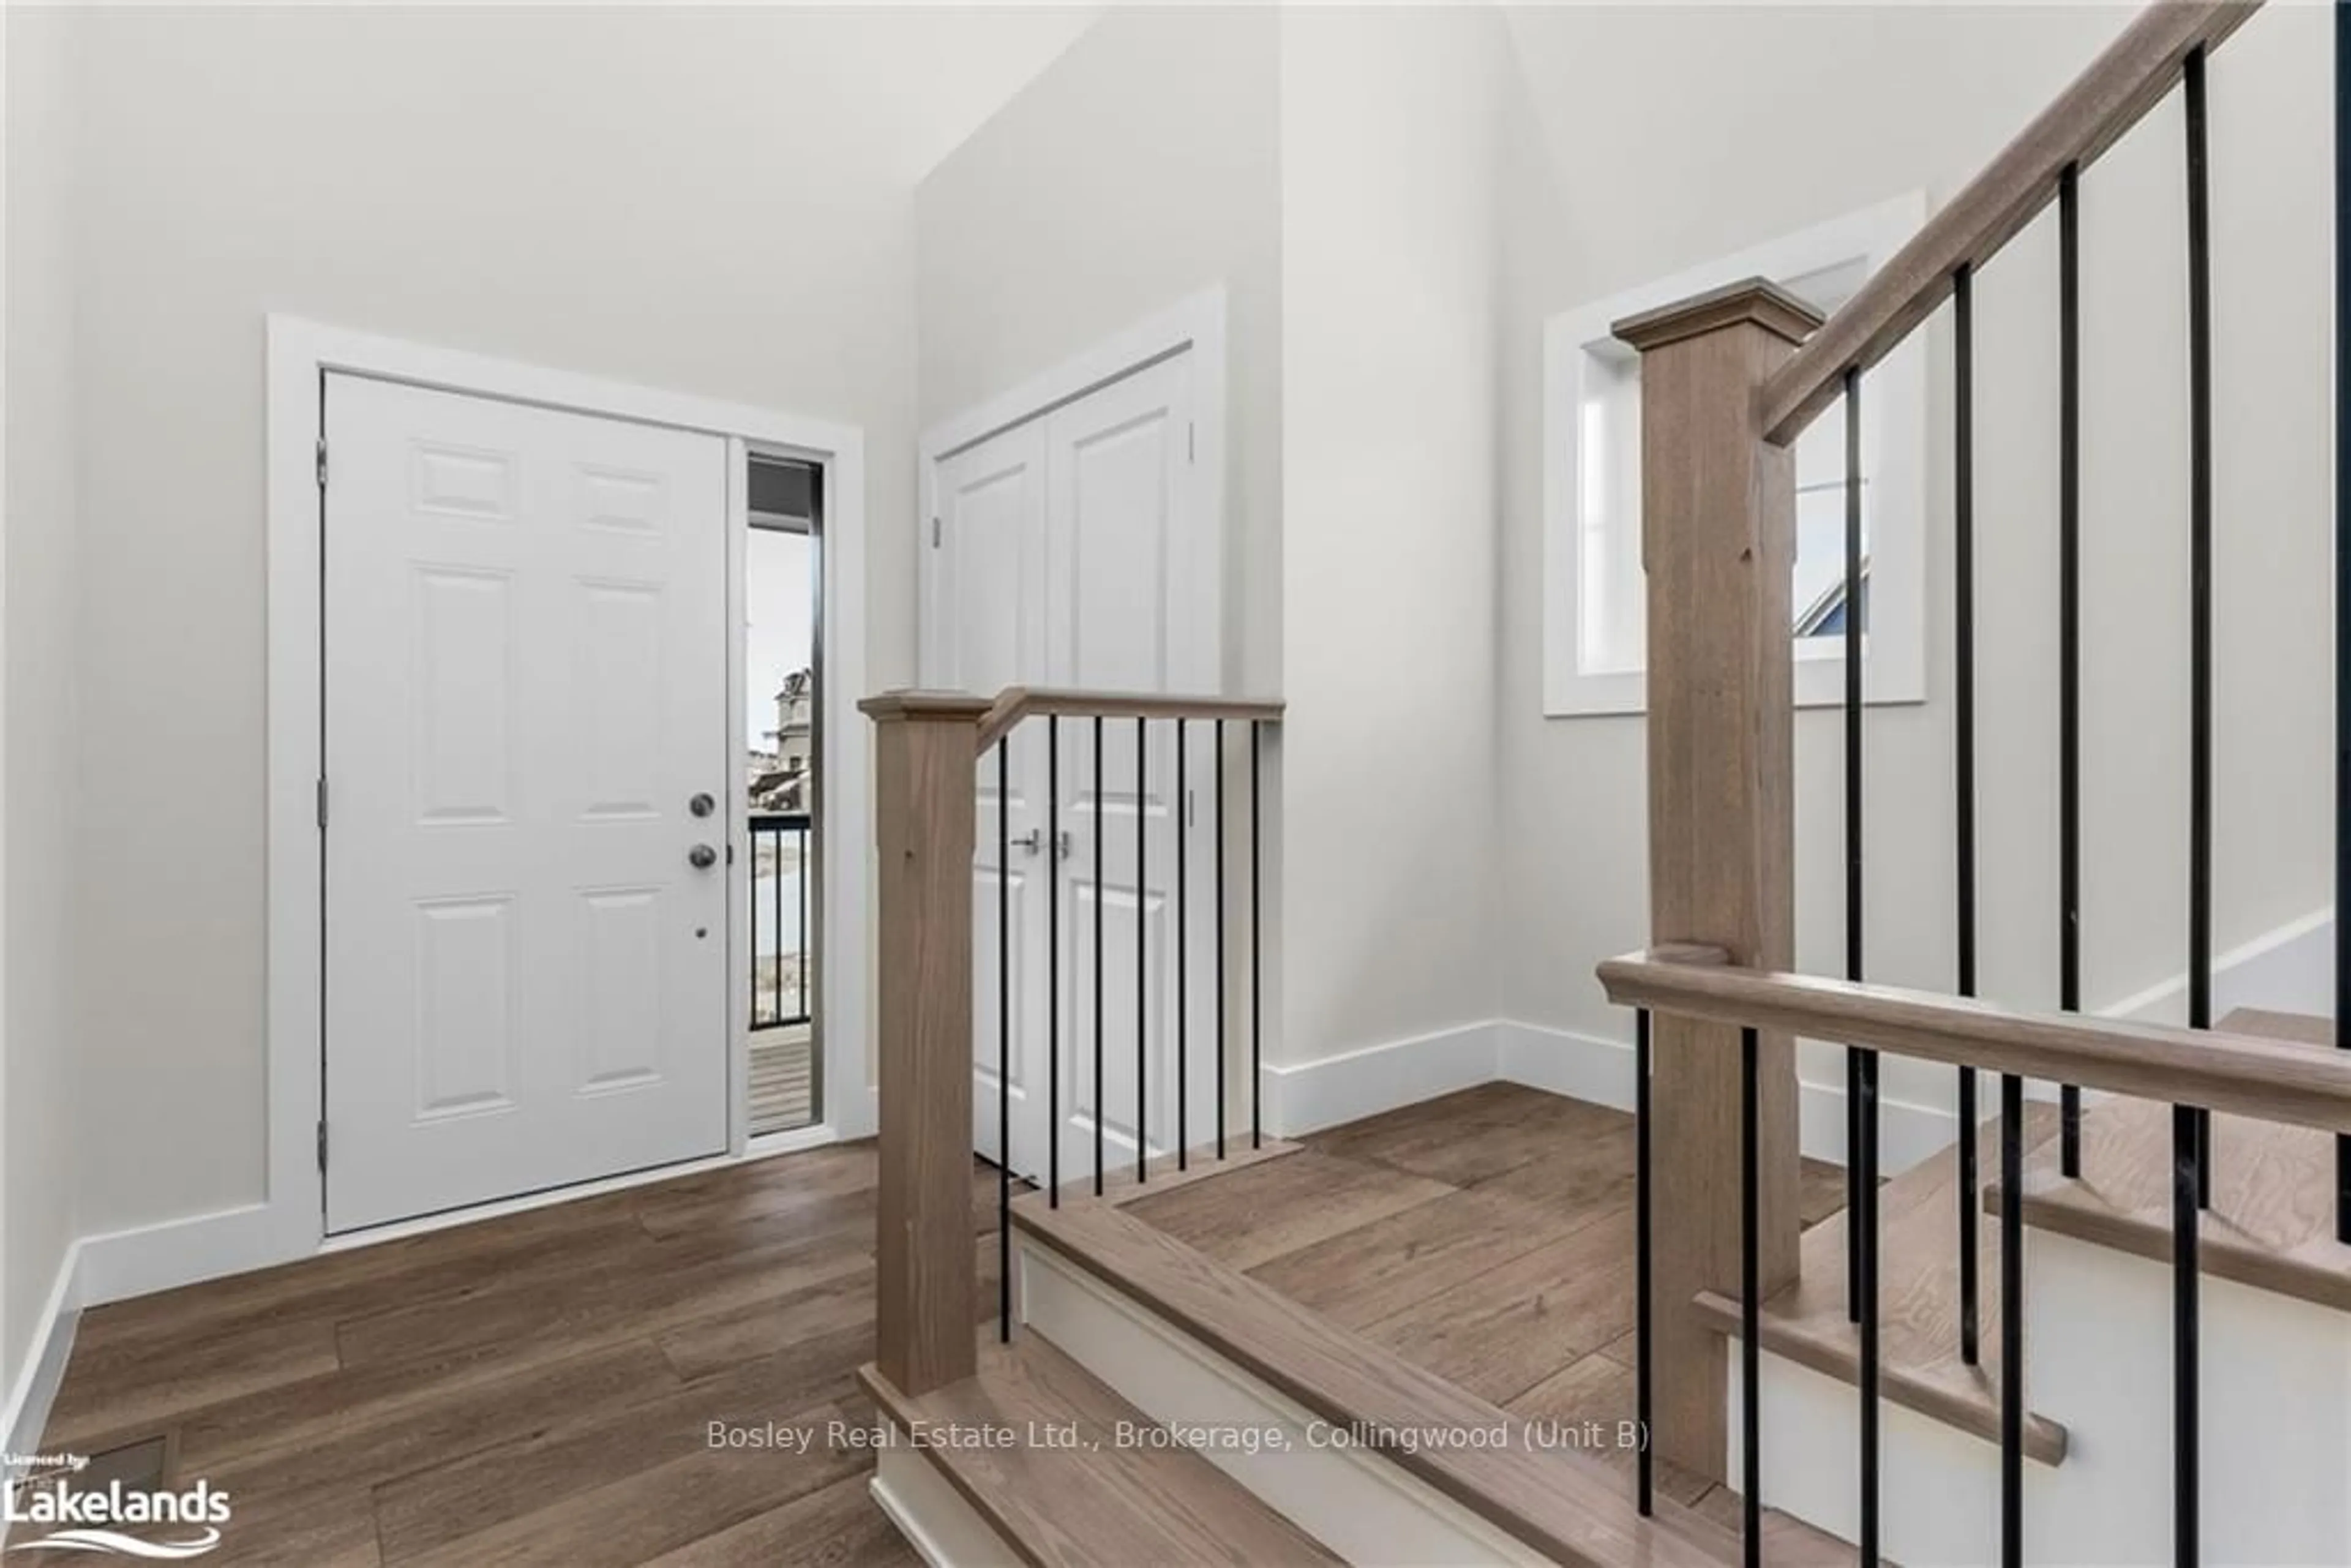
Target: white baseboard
(174, 1252)
(35, 1391)
(1312, 1095)
(1562, 1061)
(2288, 970)
(1587, 1067)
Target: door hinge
(322, 463)
(1191, 445)
(934, 533)
(322, 805)
(322, 1147)
(1191, 809)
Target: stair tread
(1919, 1363)
(1568, 1506)
(1099, 1500)
(2272, 1223)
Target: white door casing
(525, 660)
(1078, 548)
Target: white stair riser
(2276, 1422)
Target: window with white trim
(1594, 599)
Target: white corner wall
(1390, 258)
(39, 686)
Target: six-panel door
(525, 969)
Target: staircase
(1304, 1441)
(2126, 1381)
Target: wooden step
(1919, 1364)
(1096, 1500)
(1568, 1506)
(2272, 1223)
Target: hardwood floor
(1486, 1237)
(783, 1078)
(535, 1389)
(540, 1388)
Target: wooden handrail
(2239, 1074)
(2088, 117)
(1017, 703)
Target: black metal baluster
(1102, 850)
(1221, 993)
(776, 899)
(2200, 529)
(1004, 1038)
(1751, 1307)
(1142, 820)
(1964, 786)
(2185, 1466)
(2342, 587)
(2069, 638)
(1861, 1066)
(1643, 1395)
(1854, 1069)
(757, 1018)
(803, 945)
(2012, 1321)
(2191, 1127)
(1256, 944)
(1053, 958)
(1183, 809)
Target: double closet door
(1076, 550)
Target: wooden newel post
(1718, 546)
(925, 1275)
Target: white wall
(1142, 167)
(1789, 117)
(715, 201)
(1390, 266)
(38, 1181)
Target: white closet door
(1128, 551)
(990, 503)
(1079, 548)
(525, 649)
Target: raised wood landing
(1088, 1497)
(1919, 1363)
(1485, 1237)
(1479, 1248)
(535, 1389)
(2272, 1223)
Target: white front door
(1076, 550)
(526, 647)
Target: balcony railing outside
(781, 979)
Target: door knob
(702, 805)
(702, 857)
(1033, 840)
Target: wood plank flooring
(1485, 1237)
(540, 1388)
(535, 1389)
(783, 1078)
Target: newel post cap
(1756, 300)
(911, 702)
